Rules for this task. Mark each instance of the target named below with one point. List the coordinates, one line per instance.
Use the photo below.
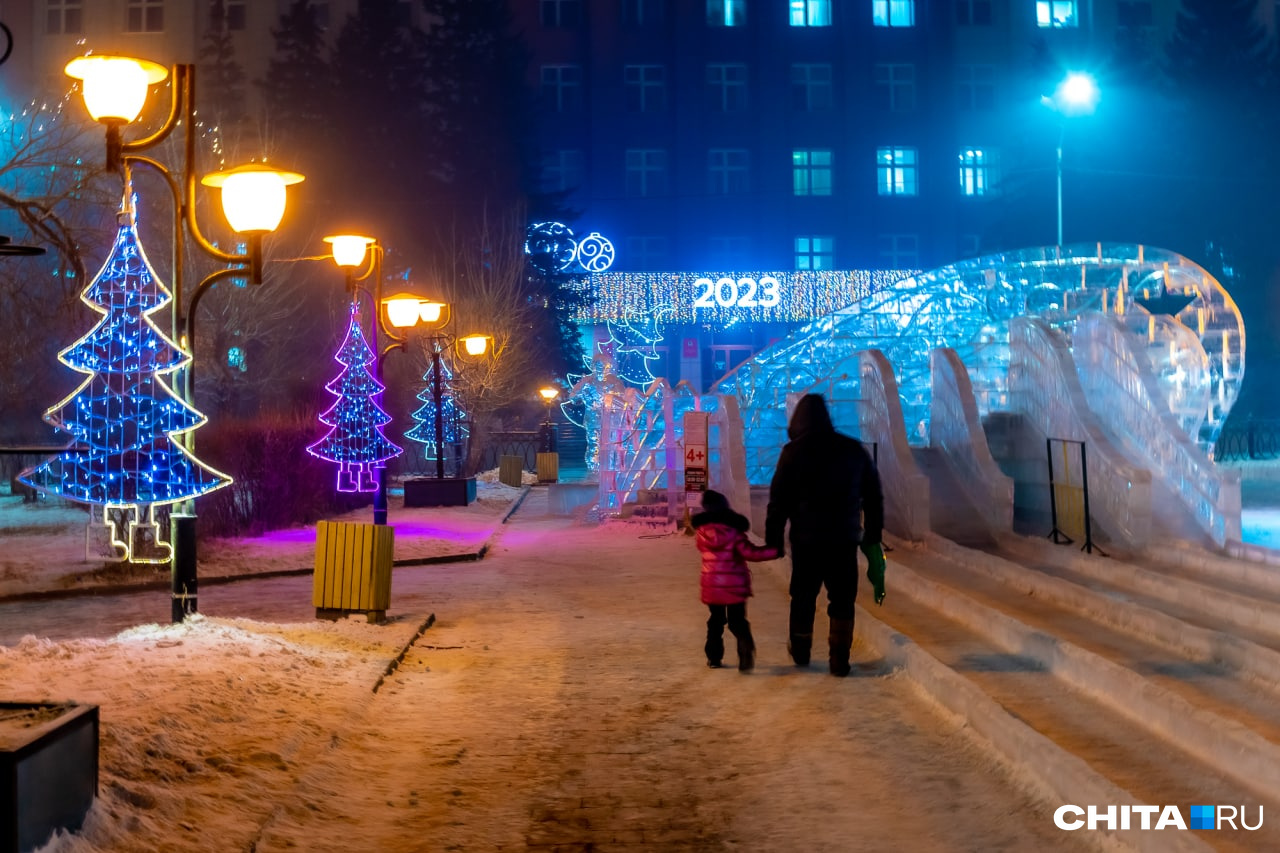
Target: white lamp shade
(349, 249)
(430, 311)
(253, 197)
(115, 87)
(402, 309)
(475, 344)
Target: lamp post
(399, 311)
(1077, 94)
(253, 200)
(548, 393)
(472, 345)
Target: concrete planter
(447, 491)
(48, 770)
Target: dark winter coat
(824, 481)
(723, 544)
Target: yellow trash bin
(548, 467)
(511, 471)
(353, 569)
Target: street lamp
(391, 313)
(549, 393)
(253, 200)
(1076, 95)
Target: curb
(153, 586)
(404, 650)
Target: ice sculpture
(1196, 353)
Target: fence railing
(1253, 439)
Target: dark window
(64, 17)
(973, 13)
(236, 15)
(561, 13)
(1133, 14)
(643, 13)
(145, 16)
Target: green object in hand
(875, 568)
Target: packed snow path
(559, 702)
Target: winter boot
(714, 648)
(798, 646)
(746, 653)
(840, 640)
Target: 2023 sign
(729, 292)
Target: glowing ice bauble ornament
(595, 252)
(453, 430)
(551, 246)
(124, 417)
(355, 441)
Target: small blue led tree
(124, 418)
(355, 440)
(454, 431)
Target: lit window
(973, 13)
(815, 253)
(144, 16)
(893, 13)
(810, 13)
(726, 13)
(811, 87)
(646, 171)
(64, 17)
(896, 171)
(561, 13)
(728, 171)
(975, 87)
(563, 171)
(646, 87)
(900, 251)
(727, 87)
(640, 13)
(811, 172)
(1056, 13)
(896, 83)
(646, 252)
(237, 15)
(562, 88)
(977, 171)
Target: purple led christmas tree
(452, 429)
(355, 440)
(123, 419)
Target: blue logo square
(1202, 817)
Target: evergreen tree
(222, 80)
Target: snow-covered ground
(560, 701)
(44, 542)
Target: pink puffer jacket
(725, 551)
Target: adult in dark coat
(823, 483)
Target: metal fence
(1253, 439)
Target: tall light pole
(401, 311)
(253, 199)
(1076, 95)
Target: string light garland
(124, 417)
(727, 297)
(453, 428)
(355, 441)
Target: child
(726, 580)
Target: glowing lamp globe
(402, 309)
(253, 196)
(115, 87)
(549, 394)
(349, 249)
(430, 311)
(475, 344)
(1077, 94)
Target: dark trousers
(735, 615)
(812, 568)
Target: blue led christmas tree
(124, 418)
(453, 430)
(355, 440)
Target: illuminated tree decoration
(551, 247)
(355, 440)
(123, 419)
(595, 252)
(453, 430)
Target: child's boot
(746, 653)
(714, 649)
